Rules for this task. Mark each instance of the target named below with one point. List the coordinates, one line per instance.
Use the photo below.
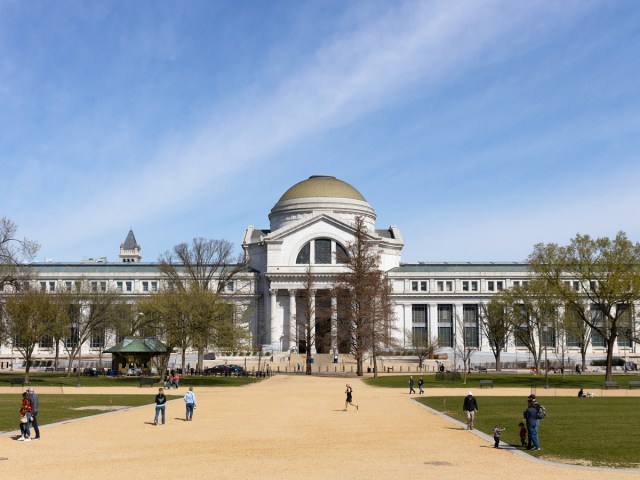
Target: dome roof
(322, 186)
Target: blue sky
(478, 127)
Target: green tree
(532, 310)
(607, 272)
(496, 327)
(28, 316)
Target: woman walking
(190, 401)
(161, 400)
(349, 400)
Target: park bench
(611, 384)
(486, 383)
(482, 369)
(49, 369)
(16, 381)
(633, 384)
(148, 381)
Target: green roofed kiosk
(136, 353)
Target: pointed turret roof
(130, 242)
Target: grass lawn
(599, 431)
(60, 379)
(57, 408)
(587, 381)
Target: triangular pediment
(309, 223)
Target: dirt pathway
(287, 427)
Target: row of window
(120, 285)
(465, 285)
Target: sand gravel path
(287, 427)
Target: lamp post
(545, 335)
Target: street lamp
(545, 335)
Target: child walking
(523, 435)
(497, 430)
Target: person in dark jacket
(35, 405)
(531, 416)
(470, 407)
(161, 401)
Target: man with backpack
(533, 414)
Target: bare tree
(90, 311)
(308, 320)
(15, 255)
(358, 290)
(422, 345)
(204, 265)
(466, 342)
(607, 272)
(496, 327)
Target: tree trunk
(497, 356)
(200, 366)
(184, 359)
(610, 344)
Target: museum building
(310, 227)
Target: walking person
(411, 389)
(161, 401)
(470, 407)
(497, 430)
(349, 400)
(190, 401)
(420, 386)
(531, 417)
(35, 403)
(25, 418)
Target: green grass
(57, 408)
(60, 380)
(588, 382)
(599, 431)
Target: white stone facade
(310, 223)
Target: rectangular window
(145, 286)
(68, 286)
(231, 286)
(414, 286)
(548, 336)
(119, 286)
(576, 286)
(423, 286)
(521, 333)
(43, 286)
(445, 325)
(52, 286)
(419, 324)
(597, 340)
(500, 285)
(103, 286)
(449, 286)
(474, 286)
(154, 286)
(516, 283)
(97, 339)
(46, 342)
(490, 286)
(625, 331)
(94, 286)
(465, 286)
(323, 251)
(440, 286)
(471, 330)
(72, 340)
(129, 286)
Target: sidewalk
(287, 427)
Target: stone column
(292, 320)
(312, 322)
(334, 324)
(275, 325)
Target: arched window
(325, 252)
